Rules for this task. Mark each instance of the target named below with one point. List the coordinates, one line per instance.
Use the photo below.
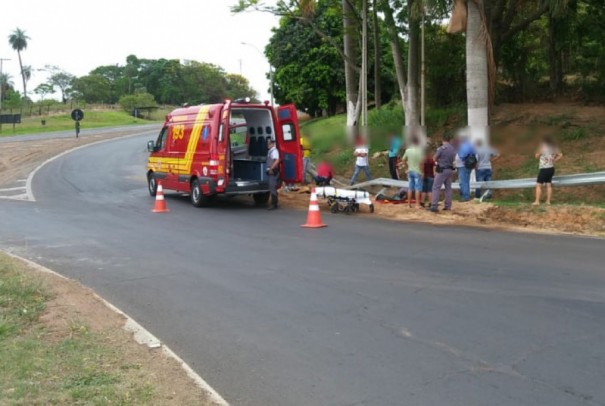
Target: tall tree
(412, 117)
(407, 79)
(61, 80)
(351, 25)
(377, 55)
(18, 41)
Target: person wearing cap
(444, 158)
(272, 172)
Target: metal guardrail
(582, 179)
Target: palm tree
(18, 41)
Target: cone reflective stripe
(160, 203)
(314, 216)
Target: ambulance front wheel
(152, 184)
(198, 199)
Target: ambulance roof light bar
(243, 100)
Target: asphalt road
(364, 312)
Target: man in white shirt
(361, 163)
(273, 172)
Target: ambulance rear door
(288, 144)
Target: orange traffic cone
(314, 217)
(160, 203)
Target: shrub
(132, 101)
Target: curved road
(364, 312)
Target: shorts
(545, 175)
(427, 185)
(415, 181)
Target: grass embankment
(63, 122)
(579, 131)
(37, 367)
(59, 345)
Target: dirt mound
(581, 220)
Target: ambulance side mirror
(151, 146)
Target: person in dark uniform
(444, 158)
(272, 172)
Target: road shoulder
(104, 344)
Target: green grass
(555, 120)
(63, 122)
(574, 134)
(80, 368)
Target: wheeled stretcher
(343, 200)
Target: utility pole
(2, 83)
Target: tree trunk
(412, 117)
(351, 51)
(554, 54)
(477, 82)
(377, 58)
(397, 53)
(22, 75)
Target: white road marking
(10, 189)
(30, 178)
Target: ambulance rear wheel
(198, 199)
(261, 199)
(152, 184)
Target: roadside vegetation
(578, 129)
(50, 353)
(63, 122)
(39, 367)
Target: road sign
(10, 119)
(77, 115)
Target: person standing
(428, 178)
(468, 161)
(272, 172)
(412, 158)
(394, 147)
(548, 154)
(444, 158)
(361, 162)
(485, 156)
(305, 144)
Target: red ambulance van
(220, 149)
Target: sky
(78, 36)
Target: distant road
(364, 312)
(72, 134)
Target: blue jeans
(414, 181)
(464, 179)
(483, 175)
(365, 169)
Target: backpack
(470, 161)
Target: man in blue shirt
(466, 153)
(394, 148)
